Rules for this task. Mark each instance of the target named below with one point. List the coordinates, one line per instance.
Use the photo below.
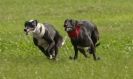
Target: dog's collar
(75, 33)
(39, 30)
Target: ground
(20, 59)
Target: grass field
(20, 59)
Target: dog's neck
(75, 33)
(39, 31)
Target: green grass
(20, 59)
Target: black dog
(82, 34)
(45, 37)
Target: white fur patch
(37, 33)
(64, 40)
(51, 57)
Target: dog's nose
(25, 30)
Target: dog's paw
(70, 57)
(55, 59)
(50, 57)
(98, 58)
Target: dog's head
(70, 25)
(30, 26)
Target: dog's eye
(31, 26)
(65, 25)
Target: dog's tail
(64, 40)
(61, 41)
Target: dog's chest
(41, 42)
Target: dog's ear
(74, 22)
(65, 22)
(34, 23)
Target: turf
(20, 59)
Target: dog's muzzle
(26, 31)
(68, 29)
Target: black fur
(88, 37)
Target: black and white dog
(82, 34)
(45, 37)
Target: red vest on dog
(75, 33)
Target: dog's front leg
(76, 52)
(54, 52)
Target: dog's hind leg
(83, 52)
(56, 52)
(93, 51)
(95, 37)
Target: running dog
(82, 34)
(45, 37)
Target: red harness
(75, 33)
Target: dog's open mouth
(28, 31)
(68, 29)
